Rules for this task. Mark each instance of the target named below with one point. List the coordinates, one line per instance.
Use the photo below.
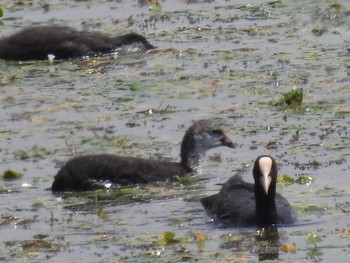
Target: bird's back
(234, 205)
(85, 172)
(63, 42)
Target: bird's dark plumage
(36, 43)
(92, 171)
(244, 204)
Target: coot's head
(206, 134)
(265, 174)
(200, 137)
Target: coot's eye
(217, 132)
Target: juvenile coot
(91, 171)
(244, 204)
(36, 43)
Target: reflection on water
(267, 241)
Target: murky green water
(232, 60)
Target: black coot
(36, 43)
(244, 204)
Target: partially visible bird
(37, 42)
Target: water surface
(233, 58)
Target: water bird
(37, 42)
(239, 203)
(88, 172)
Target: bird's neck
(265, 207)
(190, 155)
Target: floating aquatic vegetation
(21, 154)
(7, 79)
(100, 213)
(134, 86)
(231, 240)
(188, 180)
(287, 180)
(155, 6)
(179, 220)
(309, 208)
(34, 245)
(124, 99)
(308, 165)
(25, 222)
(295, 136)
(96, 140)
(335, 6)
(160, 110)
(132, 124)
(11, 175)
(257, 31)
(272, 144)
(97, 200)
(126, 143)
(274, 2)
(4, 190)
(313, 239)
(215, 157)
(7, 219)
(256, 11)
(22, 2)
(318, 31)
(345, 233)
(167, 238)
(291, 100)
(304, 179)
(37, 205)
(328, 191)
(41, 236)
(200, 236)
(256, 91)
(289, 248)
(37, 152)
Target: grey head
(200, 137)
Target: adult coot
(92, 171)
(244, 204)
(38, 42)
